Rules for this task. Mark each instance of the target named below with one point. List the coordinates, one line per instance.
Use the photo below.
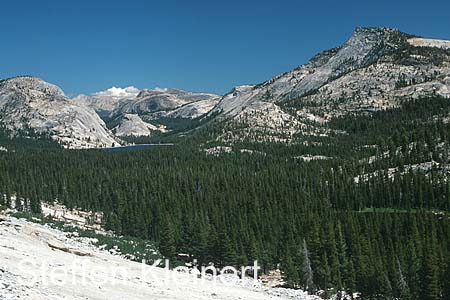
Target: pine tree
(306, 271)
(430, 273)
(225, 250)
(323, 271)
(289, 271)
(446, 280)
(35, 204)
(351, 279)
(167, 240)
(414, 263)
(342, 254)
(18, 205)
(200, 246)
(402, 285)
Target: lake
(135, 147)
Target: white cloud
(117, 92)
(158, 89)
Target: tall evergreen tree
(306, 271)
(167, 240)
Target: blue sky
(86, 46)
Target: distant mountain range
(126, 108)
(375, 69)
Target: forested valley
(368, 213)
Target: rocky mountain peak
(33, 87)
(29, 103)
(364, 47)
(145, 93)
(377, 31)
(374, 69)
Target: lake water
(135, 147)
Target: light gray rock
(31, 104)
